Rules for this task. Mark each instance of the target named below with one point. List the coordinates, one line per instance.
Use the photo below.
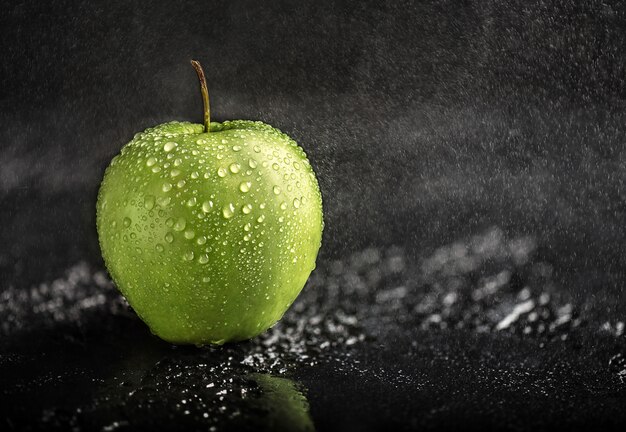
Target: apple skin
(210, 236)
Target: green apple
(210, 231)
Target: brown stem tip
(205, 94)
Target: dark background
(424, 121)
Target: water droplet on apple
(191, 202)
(195, 175)
(156, 169)
(228, 211)
(247, 227)
(201, 240)
(169, 237)
(261, 218)
(159, 247)
(174, 172)
(180, 224)
(167, 187)
(207, 206)
(221, 171)
(163, 201)
(204, 258)
(236, 148)
(247, 208)
(148, 202)
(296, 165)
(245, 186)
(177, 161)
(275, 166)
(283, 206)
(151, 161)
(252, 163)
(276, 190)
(188, 255)
(127, 222)
(189, 234)
(296, 203)
(169, 146)
(257, 149)
(234, 168)
(169, 222)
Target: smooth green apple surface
(210, 236)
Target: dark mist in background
(425, 121)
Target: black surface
(429, 124)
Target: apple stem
(205, 94)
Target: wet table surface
(479, 333)
(472, 164)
